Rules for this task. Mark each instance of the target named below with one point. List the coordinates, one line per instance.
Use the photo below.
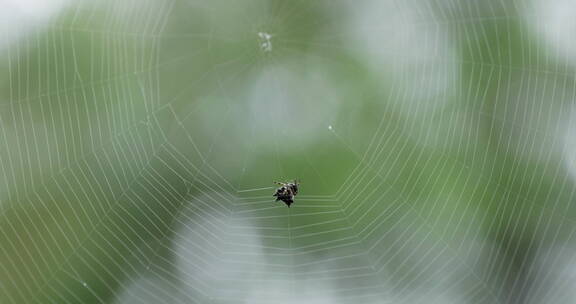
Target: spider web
(433, 140)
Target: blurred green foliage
(140, 141)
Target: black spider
(286, 192)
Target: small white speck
(84, 284)
(264, 35)
(330, 127)
(265, 41)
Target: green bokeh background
(133, 129)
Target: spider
(286, 192)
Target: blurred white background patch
(219, 257)
(292, 105)
(17, 17)
(396, 40)
(554, 23)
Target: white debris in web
(330, 127)
(265, 41)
